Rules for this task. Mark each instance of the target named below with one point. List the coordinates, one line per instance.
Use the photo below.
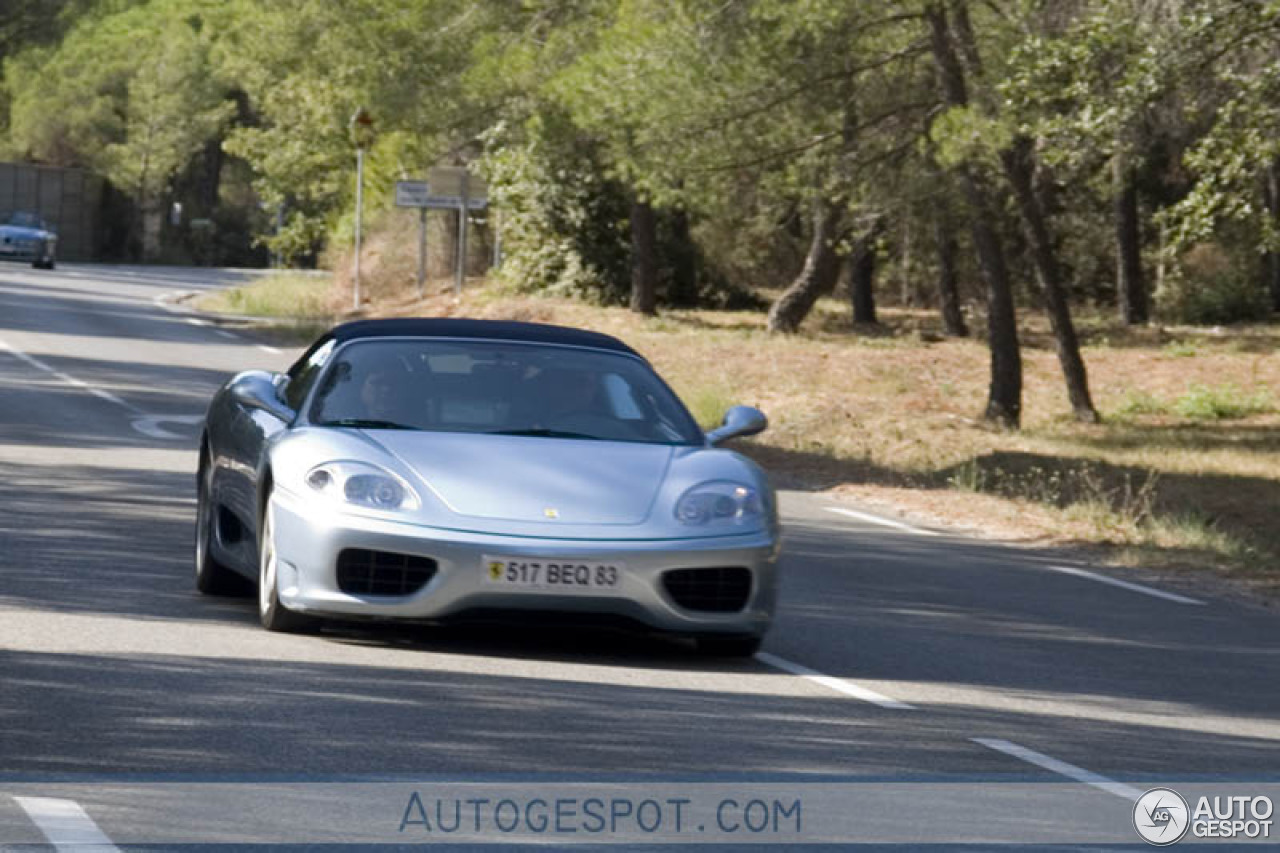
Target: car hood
(15, 232)
(529, 479)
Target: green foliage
(728, 118)
(1210, 288)
(1223, 402)
(284, 295)
(1140, 403)
(564, 224)
(1181, 349)
(968, 135)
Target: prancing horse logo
(551, 512)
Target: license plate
(568, 576)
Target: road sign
(412, 194)
(457, 182)
(361, 128)
(455, 188)
(452, 202)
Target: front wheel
(273, 614)
(212, 577)
(729, 645)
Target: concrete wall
(70, 200)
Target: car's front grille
(365, 572)
(719, 590)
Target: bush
(565, 224)
(1211, 287)
(1224, 402)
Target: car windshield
(26, 220)
(536, 390)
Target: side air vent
(364, 572)
(719, 590)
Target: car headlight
(720, 502)
(363, 485)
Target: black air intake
(364, 572)
(719, 590)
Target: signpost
(453, 188)
(362, 136)
(417, 194)
(449, 188)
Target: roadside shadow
(104, 541)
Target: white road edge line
(1132, 587)
(66, 825)
(196, 321)
(224, 334)
(1062, 768)
(839, 685)
(875, 519)
(5, 346)
(270, 349)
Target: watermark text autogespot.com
(601, 815)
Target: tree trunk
(1020, 169)
(682, 254)
(948, 286)
(817, 278)
(861, 264)
(907, 282)
(644, 258)
(1131, 289)
(1004, 396)
(1272, 258)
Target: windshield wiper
(365, 423)
(544, 433)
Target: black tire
(729, 645)
(212, 577)
(271, 612)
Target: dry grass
(1184, 472)
(296, 296)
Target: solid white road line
(196, 321)
(1062, 768)
(66, 377)
(1132, 587)
(270, 349)
(223, 334)
(839, 685)
(66, 825)
(875, 519)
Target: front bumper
(25, 250)
(309, 537)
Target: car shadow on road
(281, 717)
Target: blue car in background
(26, 237)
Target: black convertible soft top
(455, 327)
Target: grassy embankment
(1183, 473)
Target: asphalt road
(898, 653)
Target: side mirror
(256, 389)
(738, 421)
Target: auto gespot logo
(1162, 817)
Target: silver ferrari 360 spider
(440, 469)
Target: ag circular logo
(1161, 816)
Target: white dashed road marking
(840, 685)
(1062, 768)
(65, 377)
(66, 825)
(1132, 587)
(875, 519)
